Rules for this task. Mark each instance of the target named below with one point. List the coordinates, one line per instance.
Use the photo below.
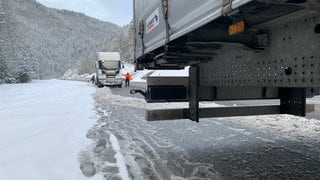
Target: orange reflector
(236, 28)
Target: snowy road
(43, 126)
(56, 130)
(257, 147)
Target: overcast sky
(115, 11)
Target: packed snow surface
(55, 130)
(120, 158)
(43, 126)
(286, 126)
(291, 127)
(234, 146)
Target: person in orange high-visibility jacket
(127, 78)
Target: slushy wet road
(215, 148)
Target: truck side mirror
(119, 65)
(99, 64)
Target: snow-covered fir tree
(45, 42)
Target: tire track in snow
(121, 162)
(149, 155)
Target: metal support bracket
(140, 91)
(226, 6)
(293, 101)
(194, 93)
(173, 114)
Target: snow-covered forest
(44, 42)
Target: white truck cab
(109, 66)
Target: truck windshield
(111, 64)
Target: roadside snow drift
(43, 126)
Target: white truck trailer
(109, 66)
(236, 50)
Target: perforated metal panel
(292, 58)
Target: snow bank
(141, 75)
(128, 68)
(72, 74)
(173, 73)
(121, 163)
(288, 126)
(105, 95)
(43, 126)
(137, 76)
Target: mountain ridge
(44, 42)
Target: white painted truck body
(109, 68)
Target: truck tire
(97, 83)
